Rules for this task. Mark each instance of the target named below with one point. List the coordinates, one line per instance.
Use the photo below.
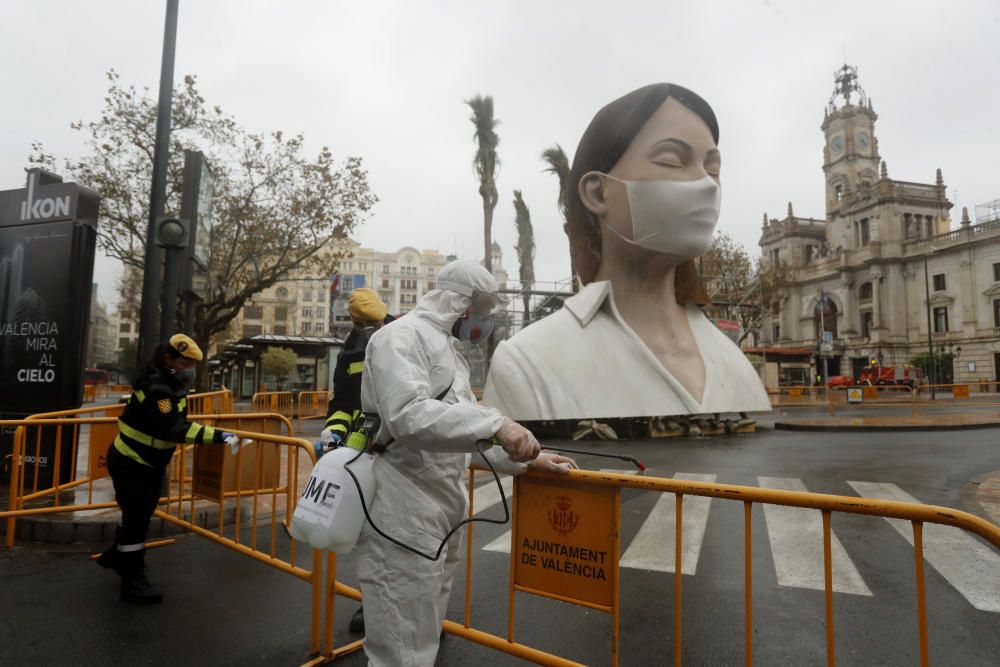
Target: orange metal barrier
(588, 482)
(213, 403)
(265, 487)
(312, 405)
(982, 393)
(274, 401)
(877, 395)
(798, 396)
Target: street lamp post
(148, 328)
(930, 340)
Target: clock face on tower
(863, 139)
(837, 144)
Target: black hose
(622, 457)
(364, 506)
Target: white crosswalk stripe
(796, 537)
(655, 545)
(969, 565)
(487, 495)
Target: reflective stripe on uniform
(181, 404)
(192, 432)
(209, 434)
(140, 395)
(128, 548)
(142, 438)
(125, 450)
(356, 368)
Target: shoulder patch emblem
(164, 405)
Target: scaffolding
(988, 212)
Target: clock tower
(850, 156)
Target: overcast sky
(386, 81)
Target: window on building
(306, 327)
(996, 272)
(349, 266)
(865, 292)
(867, 322)
(319, 327)
(307, 312)
(362, 266)
(280, 330)
(775, 331)
(122, 342)
(864, 232)
(430, 271)
(430, 285)
(126, 314)
(810, 249)
(775, 256)
(386, 297)
(320, 295)
(282, 293)
(385, 283)
(385, 268)
(125, 327)
(939, 283)
(839, 192)
(941, 320)
(996, 313)
(253, 312)
(281, 312)
(307, 295)
(251, 330)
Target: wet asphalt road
(56, 607)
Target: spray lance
(640, 466)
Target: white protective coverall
(419, 494)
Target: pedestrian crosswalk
(795, 539)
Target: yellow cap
(186, 347)
(365, 305)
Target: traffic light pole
(158, 191)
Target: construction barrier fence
(312, 405)
(280, 402)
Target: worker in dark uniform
(368, 313)
(153, 424)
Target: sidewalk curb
(870, 428)
(981, 496)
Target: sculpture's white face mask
(673, 217)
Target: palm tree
(525, 250)
(558, 163)
(486, 165)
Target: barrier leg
(678, 579)
(828, 579)
(918, 556)
(748, 582)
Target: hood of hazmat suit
(420, 494)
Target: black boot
(135, 586)
(110, 558)
(357, 621)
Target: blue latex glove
(327, 441)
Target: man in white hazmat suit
(420, 494)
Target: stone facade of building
(883, 263)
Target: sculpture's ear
(593, 194)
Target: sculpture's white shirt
(585, 361)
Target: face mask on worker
(473, 327)
(186, 375)
(672, 217)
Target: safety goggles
(485, 303)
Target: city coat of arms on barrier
(562, 518)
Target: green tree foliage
(279, 362)
(558, 164)
(127, 358)
(274, 207)
(939, 369)
(740, 287)
(525, 251)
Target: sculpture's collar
(585, 304)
